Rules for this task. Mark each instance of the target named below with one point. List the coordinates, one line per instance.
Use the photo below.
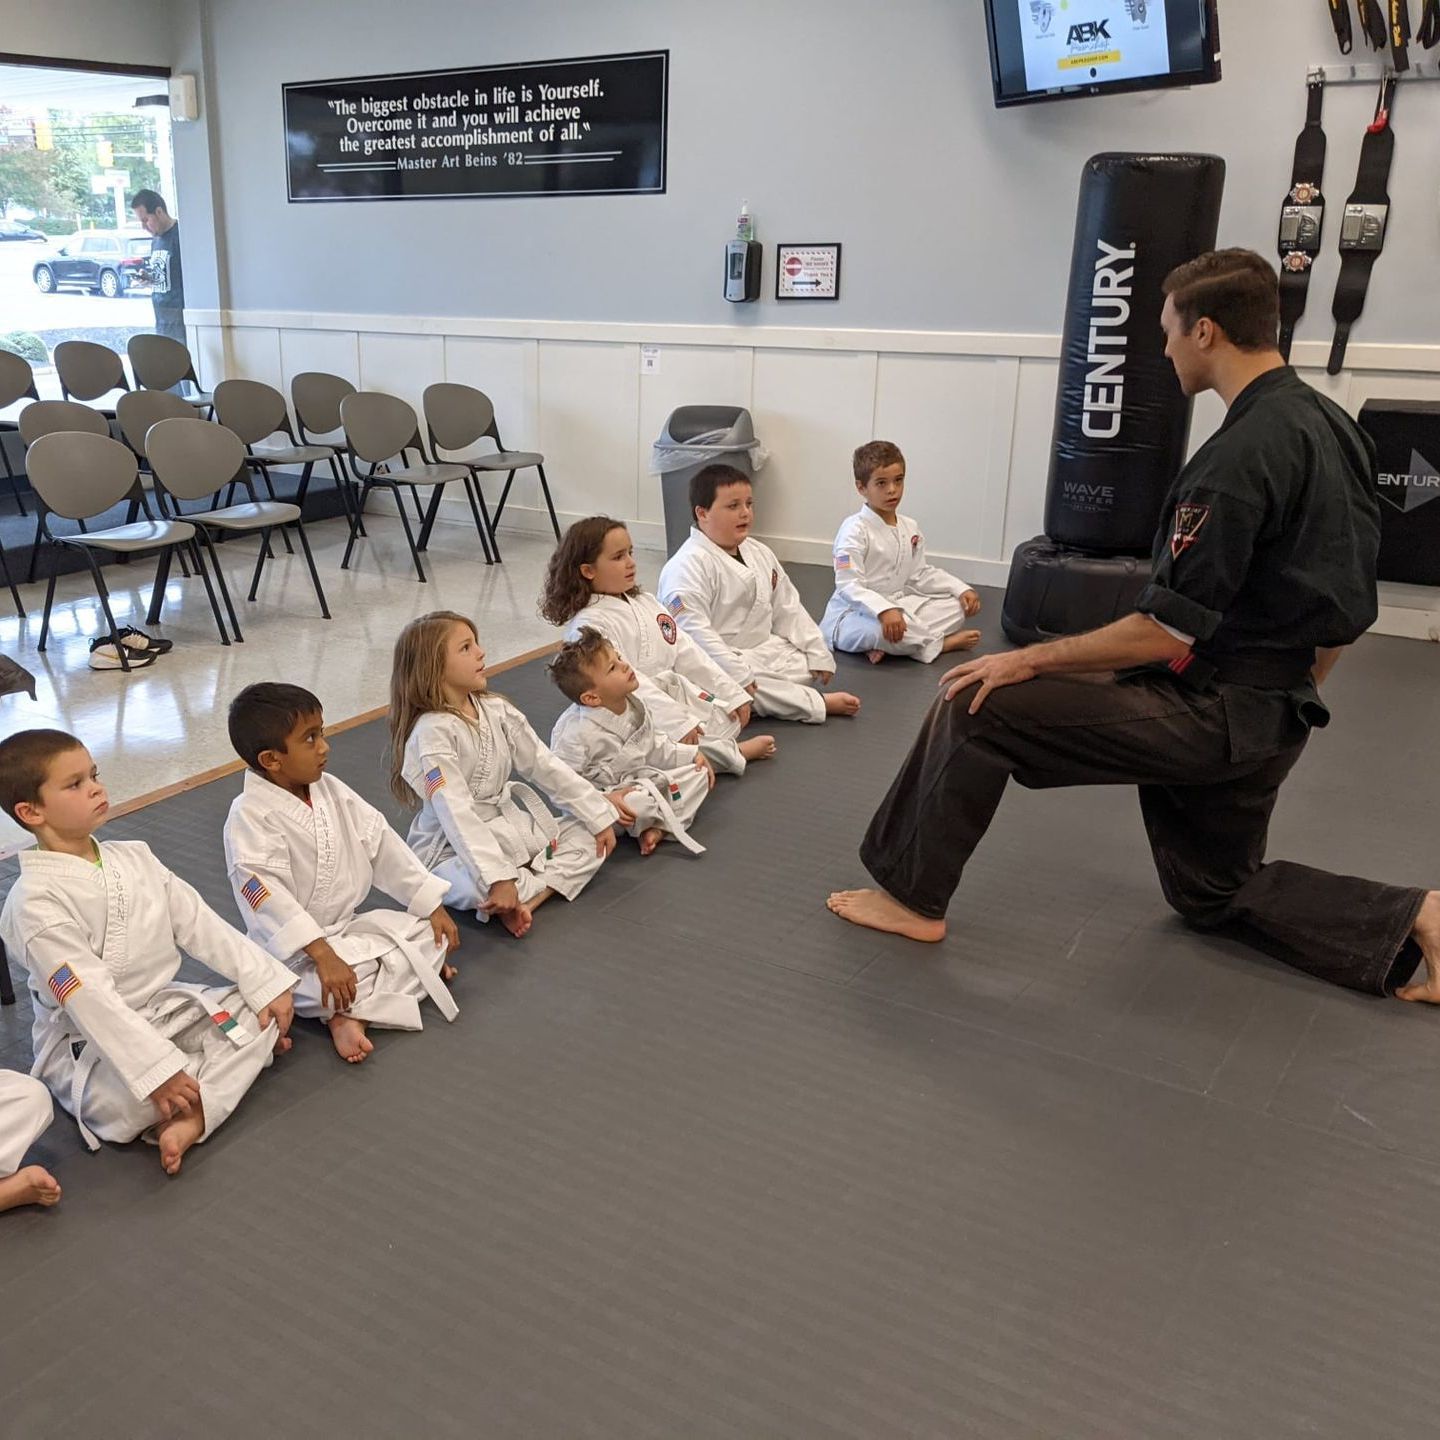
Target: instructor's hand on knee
(179, 1095)
(990, 672)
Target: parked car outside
(106, 262)
(14, 230)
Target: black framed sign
(807, 272)
(590, 126)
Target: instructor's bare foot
(349, 1038)
(842, 702)
(34, 1185)
(876, 910)
(1427, 936)
(650, 839)
(960, 640)
(762, 747)
(875, 656)
(176, 1136)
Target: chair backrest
(58, 417)
(316, 397)
(378, 426)
(17, 379)
(87, 370)
(141, 409)
(160, 361)
(253, 410)
(78, 475)
(458, 415)
(194, 458)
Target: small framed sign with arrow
(807, 272)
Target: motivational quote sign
(592, 126)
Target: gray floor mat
(698, 1160)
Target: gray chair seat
(507, 460)
(251, 515)
(142, 535)
(423, 474)
(201, 399)
(291, 454)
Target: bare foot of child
(875, 656)
(1427, 936)
(516, 921)
(762, 747)
(448, 973)
(349, 1038)
(842, 703)
(34, 1185)
(876, 910)
(960, 640)
(650, 839)
(177, 1136)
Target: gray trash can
(696, 436)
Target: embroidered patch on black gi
(667, 628)
(1189, 519)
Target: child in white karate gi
(731, 595)
(124, 1046)
(25, 1115)
(608, 737)
(470, 760)
(591, 581)
(889, 600)
(304, 851)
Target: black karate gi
(1267, 551)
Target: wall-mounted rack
(1344, 73)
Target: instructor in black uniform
(1263, 571)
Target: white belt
(667, 813)
(516, 804)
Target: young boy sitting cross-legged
(122, 1044)
(304, 851)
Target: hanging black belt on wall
(1302, 218)
(1340, 19)
(1399, 34)
(1362, 229)
(1429, 32)
(1373, 24)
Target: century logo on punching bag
(1104, 402)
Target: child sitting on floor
(25, 1115)
(459, 753)
(889, 600)
(591, 581)
(608, 737)
(123, 1045)
(303, 852)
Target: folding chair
(55, 417)
(316, 396)
(80, 476)
(194, 460)
(161, 363)
(380, 429)
(456, 417)
(17, 382)
(89, 372)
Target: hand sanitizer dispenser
(742, 260)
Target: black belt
(1340, 19)
(1399, 35)
(1260, 669)
(1302, 218)
(1362, 230)
(1429, 32)
(1372, 23)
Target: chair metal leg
(314, 573)
(10, 583)
(358, 527)
(35, 550)
(209, 545)
(49, 601)
(486, 539)
(347, 496)
(549, 503)
(419, 510)
(304, 485)
(12, 476)
(157, 594)
(431, 511)
(270, 488)
(210, 592)
(504, 496)
(409, 533)
(259, 563)
(104, 595)
(7, 981)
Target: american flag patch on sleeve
(844, 562)
(676, 606)
(63, 984)
(254, 893)
(434, 780)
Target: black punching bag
(1121, 422)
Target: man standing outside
(1262, 572)
(169, 292)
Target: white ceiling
(37, 87)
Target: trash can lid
(691, 420)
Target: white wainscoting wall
(973, 413)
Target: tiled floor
(167, 723)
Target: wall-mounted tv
(1061, 49)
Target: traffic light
(44, 135)
(105, 153)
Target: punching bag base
(1058, 591)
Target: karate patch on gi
(676, 605)
(706, 695)
(225, 1020)
(667, 628)
(434, 780)
(844, 562)
(63, 984)
(254, 893)
(1189, 519)
(774, 579)
(915, 542)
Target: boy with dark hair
(127, 1048)
(608, 737)
(303, 852)
(889, 600)
(732, 596)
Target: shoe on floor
(137, 642)
(105, 655)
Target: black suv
(109, 262)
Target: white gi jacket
(612, 751)
(728, 607)
(471, 804)
(878, 565)
(102, 948)
(299, 873)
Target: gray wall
(838, 119)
